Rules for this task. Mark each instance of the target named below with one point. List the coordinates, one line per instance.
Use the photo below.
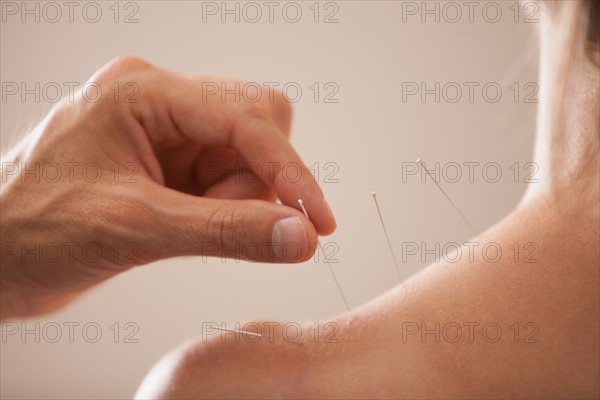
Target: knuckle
(258, 117)
(115, 85)
(125, 64)
(257, 113)
(281, 110)
(119, 70)
(282, 105)
(227, 229)
(273, 110)
(281, 101)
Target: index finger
(203, 115)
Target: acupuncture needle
(239, 331)
(386, 235)
(473, 231)
(327, 261)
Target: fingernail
(289, 240)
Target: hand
(157, 166)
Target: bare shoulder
(517, 314)
(221, 364)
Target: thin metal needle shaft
(473, 231)
(387, 236)
(239, 331)
(327, 262)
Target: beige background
(368, 53)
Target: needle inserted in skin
(473, 231)
(386, 236)
(327, 262)
(239, 331)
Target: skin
(173, 129)
(555, 301)
(556, 355)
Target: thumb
(252, 230)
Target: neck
(566, 149)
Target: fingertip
(312, 238)
(320, 215)
(329, 224)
